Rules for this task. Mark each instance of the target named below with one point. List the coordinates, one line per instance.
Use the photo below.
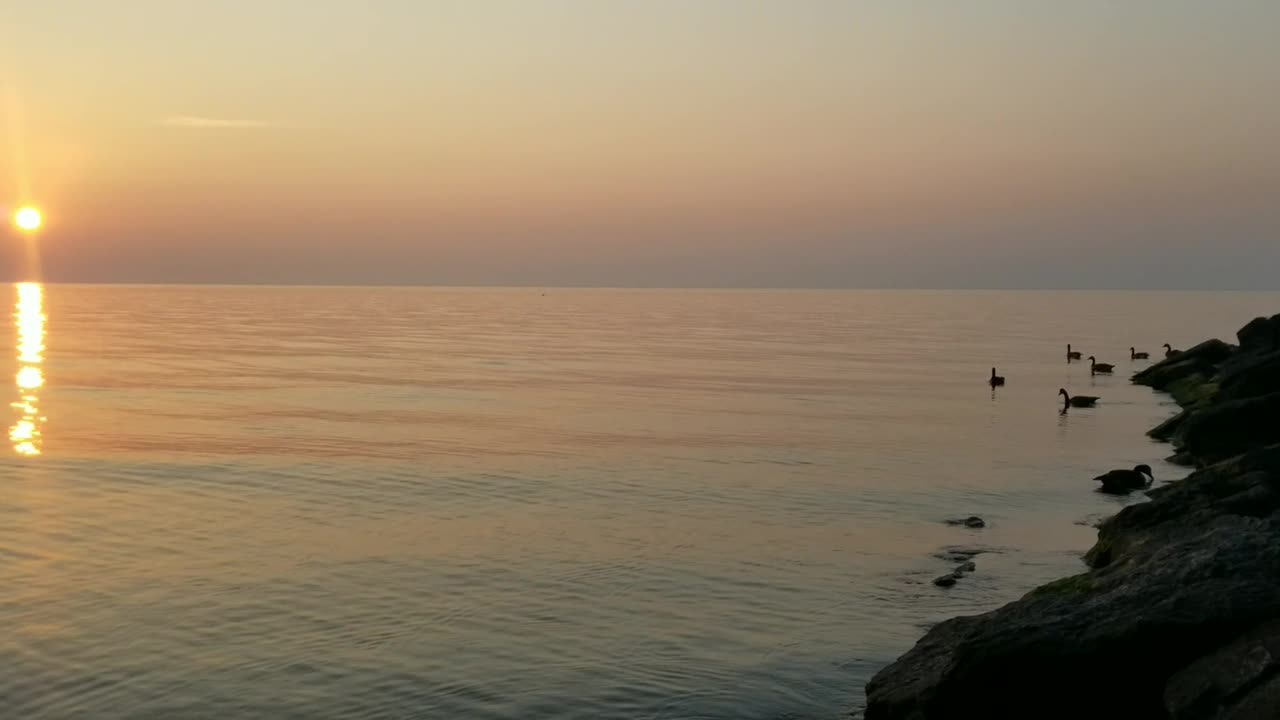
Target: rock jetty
(1178, 615)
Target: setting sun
(29, 219)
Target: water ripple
(393, 503)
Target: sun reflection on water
(25, 434)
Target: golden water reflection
(29, 317)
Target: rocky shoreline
(1178, 615)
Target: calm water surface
(407, 503)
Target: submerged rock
(959, 572)
(973, 521)
(959, 554)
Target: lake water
(517, 503)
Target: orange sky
(749, 142)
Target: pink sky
(819, 143)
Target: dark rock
(973, 521)
(1183, 575)
(1169, 370)
(1165, 430)
(946, 580)
(1260, 335)
(1203, 359)
(964, 569)
(1229, 428)
(1230, 679)
(1249, 375)
(1184, 459)
(1260, 702)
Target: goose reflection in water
(25, 433)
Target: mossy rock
(1193, 391)
(1100, 554)
(1074, 585)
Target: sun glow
(28, 219)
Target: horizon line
(787, 288)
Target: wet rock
(1092, 521)
(946, 580)
(965, 569)
(959, 554)
(973, 521)
(1193, 391)
(1165, 430)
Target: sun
(28, 219)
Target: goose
(1120, 482)
(1072, 355)
(1135, 355)
(996, 380)
(1169, 351)
(1097, 367)
(1077, 400)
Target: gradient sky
(797, 143)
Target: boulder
(1260, 335)
(1239, 681)
(1224, 429)
(1249, 375)
(1203, 359)
(1165, 430)
(1192, 391)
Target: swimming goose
(1120, 482)
(1097, 367)
(1169, 351)
(1077, 400)
(996, 380)
(1072, 355)
(1134, 355)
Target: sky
(667, 143)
